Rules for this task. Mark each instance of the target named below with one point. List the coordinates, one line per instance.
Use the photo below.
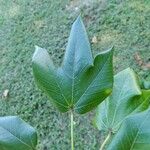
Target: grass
(47, 23)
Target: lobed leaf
(127, 98)
(81, 83)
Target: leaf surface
(81, 83)
(134, 133)
(15, 134)
(127, 98)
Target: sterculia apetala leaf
(81, 82)
(126, 99)
(15, 134)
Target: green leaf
(146, 84)
(15, 134)
(134, 133)
(81, 83)
(127, 98)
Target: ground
(47, 23)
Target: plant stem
(105, 141)
(72, 139)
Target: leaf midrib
(72, 85)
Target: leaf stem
(105, 141)
(72, 136)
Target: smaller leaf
(15, 134)
(134, 133)
(127, 98)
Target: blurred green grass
(47, 23)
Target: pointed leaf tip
(78, 20)
(108, 51)
(40, 55)
(79, 17)
(37, 50)
(111, 49)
